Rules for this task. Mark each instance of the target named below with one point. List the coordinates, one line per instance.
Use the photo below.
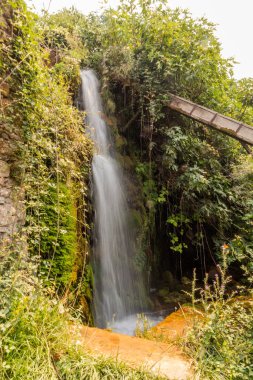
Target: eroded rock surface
(177, 324)
(11, 193)
(158, 357)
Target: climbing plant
(52, 163)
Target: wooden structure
(227, 125)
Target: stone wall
(12, 214)
(11, 193)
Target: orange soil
(177, 324)
(160, 358)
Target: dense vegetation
(190, 188)
(52, 157)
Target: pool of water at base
(128, 324)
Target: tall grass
(36, 341)
(222, 343)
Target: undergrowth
(220, 341)
(50, 161)
(36, 338)
(222, 344)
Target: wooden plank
(227, 125)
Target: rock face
(11, 199)
(177, 324)
(11, 194)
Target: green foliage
(221, 345)
(58, 239)
(68, 32)
(199, 183)
(144, 173)
(35, 336)
(241, 248)
(40, 66)
(145, 50)
(166, 49)
(180, 224)
(196, 184)
(87, 283)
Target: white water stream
(116, 293)
(118, 288)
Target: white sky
(234, 19)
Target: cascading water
(116, 291)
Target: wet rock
(178, 323)
(164, 292)
(170, 280)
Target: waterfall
(116, 286)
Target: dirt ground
(159, 357)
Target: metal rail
(227, 125)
